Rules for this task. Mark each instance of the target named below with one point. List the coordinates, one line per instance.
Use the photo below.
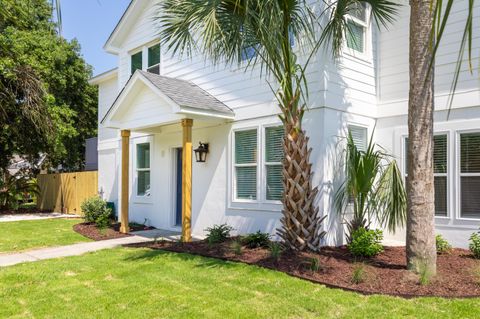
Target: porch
(150, 104)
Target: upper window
(470, 175)
(246, 164)
(357, 26)
(136, 61)
(440, 172)
(154, 59)
(143, 169)
(273, 162)
(359, 136)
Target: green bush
(218, 233)
(443, 246)
(275, 250)
(95, 210)
(475, 245)
(256, 240)
(366, 243)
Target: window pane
(274, 182)
(143, 155)
(470, 196)
(359, 11)
(355, 36)
(274, 144)
(440, 154)
(440, 195)
(359, 136)
(246, 147)
(154, 69)
(246, 182)
(143, 183)
(153, 55)
(136, 61)
(248, 53)
(470, 153)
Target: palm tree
(373, 186)
(227, 29)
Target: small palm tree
(225, 31)
(14, 188)
(373, 186)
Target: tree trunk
(420, 246)
(301, 223)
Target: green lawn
(139, 283)
(29, 234)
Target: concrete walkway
(36, 216)
(82, 248)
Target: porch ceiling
(150, 100)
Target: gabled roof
(184, 96)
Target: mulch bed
(22, 211)
(91, 231)
(458, 273)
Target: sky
(91, 22)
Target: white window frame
(148, 199)
(235, 165)
(448, 175)
(261, 203)
(265, 164)
(366, 55)
(144, 49)
(460, 174)
(159, 61)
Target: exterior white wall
(363, 90)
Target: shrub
(475, 245)
(314, 264)
(275, 250)
(358, 274)
(256, 240)
(237, 247)
(96, 211)
(366, 243)
(443, 246)
(218, 233)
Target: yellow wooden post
(187, 180)
(125, 168)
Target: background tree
(227, 30)
(47, 105)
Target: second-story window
(357, 26)
(154, 59)
(136, 61)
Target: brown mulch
(22, 211)
(91, 231)
(458, 273)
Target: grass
(29, 234)
(138, 283)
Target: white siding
(107, 92)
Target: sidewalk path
(36, 216)
(82, 248)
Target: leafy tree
(46, 103)
(227, 30)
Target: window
(273, 162)
(154, 59)
(359, 136)
(136, 61)
(143, 169)
(440, 172)
(357, 26)
(246, 164)
(470, 175)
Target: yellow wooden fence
(65, 192)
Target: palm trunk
(301, 223)
(420, 246)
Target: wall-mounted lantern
(201, 152)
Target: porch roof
(174, 99)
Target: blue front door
(178, 194)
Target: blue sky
(91, 22)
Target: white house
(154, 103)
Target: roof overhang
(123, 27)
(105, 76)
(162, 109)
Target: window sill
(255, 206)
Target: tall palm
(227, 29)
